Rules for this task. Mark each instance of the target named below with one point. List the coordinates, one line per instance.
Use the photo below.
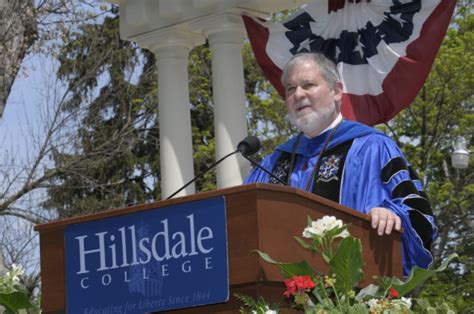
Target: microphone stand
(265, 170)
(202, 173)
(215, 163)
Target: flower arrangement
(337, 291)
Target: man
(346, 161)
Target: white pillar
(176, 148)
(226, 35)
(176, 151)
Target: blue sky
(24, 104)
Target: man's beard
(313, 122)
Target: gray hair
(327, 68)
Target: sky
(21, 127)
(25, 105)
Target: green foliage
(202, 115)
(289, 269)
(250, 305)
(425, 131)
(424, 306)
(419, 275)
(13, 295)
(347, 265)
(116, 152)
(453, 286)
(15, 301)
(336, 292)
(115, 161)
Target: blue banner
(159, 259)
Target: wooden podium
(259, 216)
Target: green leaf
(289, 269)
(424, 304)
(445, 308)
(326, 257)
(347, 264)
(303, 243)
(418, 276)
(357, 309)
(335, 231)
(15, 301)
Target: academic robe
(361, 168)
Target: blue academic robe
(374, 173)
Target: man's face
(310, 102)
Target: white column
(226, 35)
(176, 149)
(176, 152)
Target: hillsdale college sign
(167, 258)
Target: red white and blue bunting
(384, 49)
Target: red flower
(393, 293)
(304, 282)
(290, 288)
(296, 284)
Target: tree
(118, 142)
(124, 117)
(425, 131)
(48, 24)
(19, 247)
(18, 31)
(28, 26)
(104, 143)
(23, 178)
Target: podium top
(254, 187)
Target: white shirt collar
(331, 126)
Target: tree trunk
(18, 30)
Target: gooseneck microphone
(248, 146)
(202, 173)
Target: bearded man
(348, 162)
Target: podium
(259, 216)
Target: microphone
(248, 146)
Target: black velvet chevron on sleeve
(393, 167)
(422, 227)
(411, 197)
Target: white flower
(323, 225)
(344, 234)
(15, 272)
(330, 222)
(267, 311)
(17, 269)
(307, 233)
(314, 229)
(372, 303)
(402, 303)
(407, 301)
